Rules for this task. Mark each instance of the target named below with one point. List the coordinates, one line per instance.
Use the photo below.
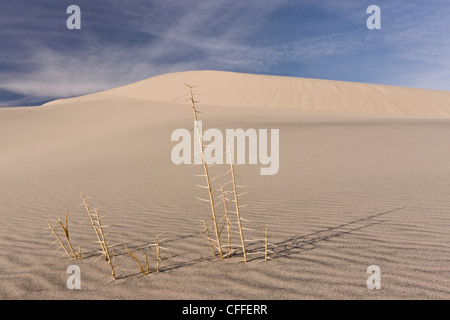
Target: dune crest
(219, 88)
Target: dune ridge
(220, 88)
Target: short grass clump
(145, 271)
(66, 245)
(158, 259)
(102, 240)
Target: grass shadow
(298, 244)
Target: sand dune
(356, 187)
(217, 88)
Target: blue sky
(125, 41)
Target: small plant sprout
(158, 249)
(267, 244)
(145, 271)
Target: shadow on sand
(283, 249)
(298, 244)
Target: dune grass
(238, 214)
(65, 244)
(218, 226)
(158, 253)
(105, 250)
(158, 258)
(145, 271)
(207, 175)
(227, 222)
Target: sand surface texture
(364, 179)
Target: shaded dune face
(363, 180)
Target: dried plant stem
(70, 251)
(228, 223)
(208, 237)
(266, 244)
(101, 235)
(58, 238)
(208, 180)
(158, 254)
(236, 201)
(91, 218)
(145, 271)
(65, 228)
(147, 265)
(104, 245)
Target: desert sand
(364, 179)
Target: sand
(363, 180)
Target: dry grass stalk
(207, 177)
(236, 202)
(208, 237)
(145, 271)
(228, 222)
(158, 254)
(147, 265)
(104, 244)
(91, 218)
(266, 244)
(58, 239)
(65, 227)
(101, 236)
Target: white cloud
(196, 35)
(185, 45)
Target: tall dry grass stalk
(238, 214)
(65, 228)
(207, 175)
(106, 251)
(92, 220)
(96, 223)
(227, 221)
(216, 244)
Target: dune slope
(218, 88)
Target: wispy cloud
(185, 44)
(123, 42)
